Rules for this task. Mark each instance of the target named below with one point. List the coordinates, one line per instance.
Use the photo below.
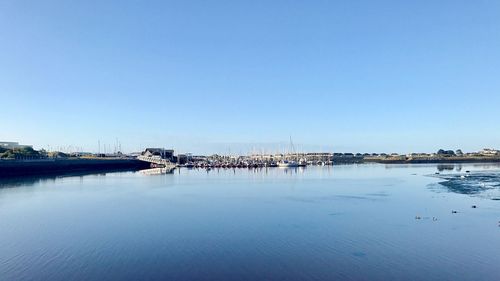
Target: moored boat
(287, 164)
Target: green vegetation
(58, 154)
(24, 152)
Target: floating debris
(473, 206)
(454, 212)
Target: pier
(158, 161)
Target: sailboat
(285, 163)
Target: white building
(12, 145)
(489, 151)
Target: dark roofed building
(161, 152)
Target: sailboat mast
(293, 149)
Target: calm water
(354, 222)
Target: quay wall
(57, 166)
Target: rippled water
(354, 222)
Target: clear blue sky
(214, 76)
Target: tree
(446, 152)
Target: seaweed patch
(477, 183)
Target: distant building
(80, 154)
(182, 159)
(489, 151)
(198, 158)
(12, 145)
(161, 152)
(416, 155)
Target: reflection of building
(11, 145)
(161, 152)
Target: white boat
(302, 163)
(287, 164)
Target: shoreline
(62, 167)
(450, 160)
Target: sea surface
(349, 222)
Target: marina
(249, 140)
(19, 160)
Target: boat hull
(287, 165)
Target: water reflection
(258, 170)
(293, 170)
(10, 182)
(449, 167)
(157, 171)
(318, 223)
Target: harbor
(19, 160)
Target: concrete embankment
(61, 166)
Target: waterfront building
(489, 152)
(416, 155)
(12, 145)
(182, 159)
(161, 152)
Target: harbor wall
(58, 166)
